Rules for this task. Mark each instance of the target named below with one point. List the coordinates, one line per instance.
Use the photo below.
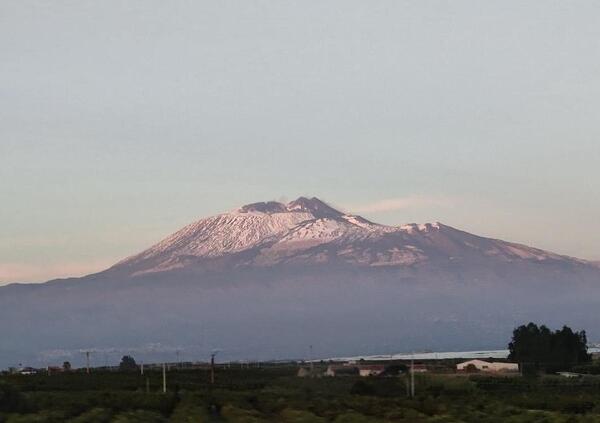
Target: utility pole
(87, 362)
(164, 369)
(412, 377)
(212, 369)
(310, 358)
(142, 368)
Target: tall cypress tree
(539, 348)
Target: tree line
(538, 348)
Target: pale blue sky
(122, 121)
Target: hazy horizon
(122, 122)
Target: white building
(569, 374)
(337, 370)
(486, 366)
(370, 370)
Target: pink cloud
(393, 204)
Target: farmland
(275, 393)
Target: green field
(276, 394)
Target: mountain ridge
(309, 231)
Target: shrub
(11, 399)
(361, 387)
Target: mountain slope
(308, 231)
(268, 279)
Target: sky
(120, 122)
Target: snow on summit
(309, 231)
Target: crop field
(276, 394)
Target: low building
(370, 370)
(27, 371)
(418, 368)
(342, 371)
(54, 369)
(303, 372)
(486, 366)
(569, 374)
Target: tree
(539, 348)
(67, 366)
(127, 363)
(360, 387)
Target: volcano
(268, 279)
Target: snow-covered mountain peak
(364, 223)
(267, 207)
(314, 206)
(422, 227)
(309, 231)
(255, 226)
